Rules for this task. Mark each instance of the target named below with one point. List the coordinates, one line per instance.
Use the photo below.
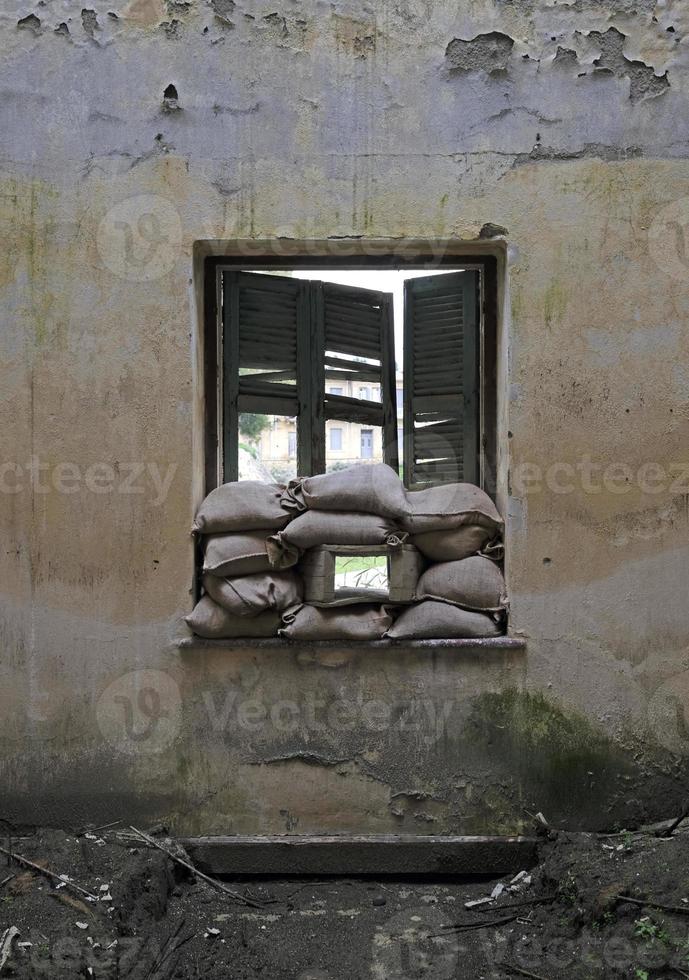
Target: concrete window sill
(493, 644)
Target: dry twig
(673, 827)
(199, 874)
(517, 905)
(49, 874)
(523, 972)
(649, 903)
(163, 964)
(469, 926)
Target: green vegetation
(649, 930)
(251, 425)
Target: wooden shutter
(359, 346)
(282, 337)
(441, 372)
(265, 344)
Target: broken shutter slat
(441, 365)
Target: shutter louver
(441, 371)
(261, 352)
(358, 343)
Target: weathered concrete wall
(563, 122)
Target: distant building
(346, 442)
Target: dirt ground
(153, 921)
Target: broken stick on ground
(195, 871)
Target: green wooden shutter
(441, 372)
(265, 341)
(282, 337)
(359, 346)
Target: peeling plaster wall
(132, 131)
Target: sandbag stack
(244, 595)
(254, 536)
(462, 593)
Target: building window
(281, 339)
(315, 352)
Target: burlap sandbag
(363, 622)
(315, 527)
(244, 506)
(236, 554)
(215, 623)
(473, 583)
(453, 543)
(441, 621)
(449, 506)
(251, 595)
(374, 489)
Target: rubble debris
(48, 874)
(478, 901)
(8, 937)
(584, 900)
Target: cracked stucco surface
(306, 121)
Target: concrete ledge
(487, 645)
(385, 854)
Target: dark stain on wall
(223, 10)
(557, 762)
(486, 52)
(89, 21)
(598, 151)
(643, 81)
(30, 23)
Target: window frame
(329, 256)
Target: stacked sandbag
(244, 595)
(246, 506)
(457, 599)
(360, 622)
(431, 620)
(374, 489)
(255, 535)
(314, 528)
(211, 621)
(451, 522)
(250, 595)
